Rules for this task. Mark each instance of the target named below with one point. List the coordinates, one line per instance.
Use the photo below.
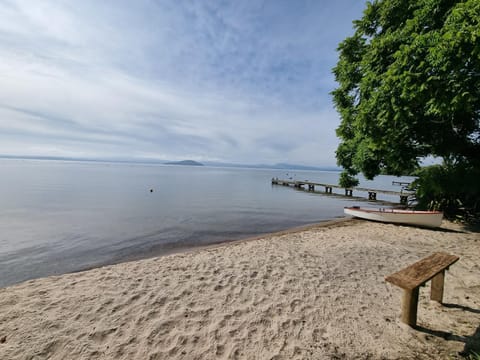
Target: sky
(230, 81)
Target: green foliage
(347, 181)
(473, 356)
(409, 87)
(454, 189)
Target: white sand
(315, 294)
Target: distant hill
(185, 162)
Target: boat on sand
(397, 216)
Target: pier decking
(372, 193)
(401, 183)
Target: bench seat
(422, 271)
(412, 277)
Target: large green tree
(409, 88)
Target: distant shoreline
(290, 167)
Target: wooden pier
(372, 193)
(401, 183)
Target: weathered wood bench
(412, 277)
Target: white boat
(397, 216)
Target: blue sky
(233, 81)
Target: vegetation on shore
(409, 88)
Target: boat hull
(408, 217)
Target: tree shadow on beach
(473, 227)
(465, 228)
(443, 230)
(472, 343)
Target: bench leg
(409, 307)
(436, 293)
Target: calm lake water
(58, 216)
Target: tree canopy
(409, 87)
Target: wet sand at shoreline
(311, 293)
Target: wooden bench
(412, 277)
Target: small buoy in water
(151, 190)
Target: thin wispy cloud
(236, 81)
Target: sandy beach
(315, 293)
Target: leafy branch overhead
(409, 87)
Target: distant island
(185, 162)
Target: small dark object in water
(151, 190)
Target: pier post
(372, 193)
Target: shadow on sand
(472, 343)
(461, 307)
